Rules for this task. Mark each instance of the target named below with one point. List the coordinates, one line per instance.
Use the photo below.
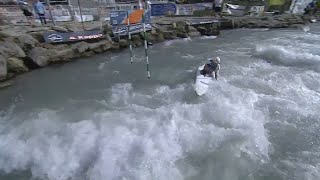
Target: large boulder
(93, 46)
(59, 29)
(160, 37)
(3, 68)
(115, 46)
(136, 40)
(38, 36)
(40, 56)
(62, 55)
(16, 65)
(151, 37)
(90, 27)
(107, 29)
(169, 34)
(11, 49)
(96, 47)
(38, 29)
(80, 47)
(106, 44)
(202, 30)
(73, 27)
(182, 35)
(192, 32)
(27, 42)
(123, 43)
(100, 46)
(182, 26)
(226, 24)
(5, 84)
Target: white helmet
(217, 60)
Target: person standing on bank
(39, 8)
(27, 11)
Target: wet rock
(192, 32)
(202, 30)
(59, 29)
(11, 49)
(73, 27)
(27, 42)
(160, 37)
(38, 36)
(40, 56)
(182, 35)
(80, 47)
(229, 24)
(154, 31)
(93, 46)
(98, 47)
(107, 29)
(60, 47)
(16, 65)
(38, 29)
(136, 40)
(5, 84)
(115, 46)
(62, 55)
(169, 34)
(3, 68)
(123, 43)
(88, 53)
(151, 37)
(107, 44)
(91, 27)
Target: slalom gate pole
(145, 43)
(129, 37)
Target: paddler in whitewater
(212, 69)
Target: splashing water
(259, 121)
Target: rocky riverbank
(23, 49)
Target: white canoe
(202, 82)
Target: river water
(101, 118)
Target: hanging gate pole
(129, 37)
(145, 42)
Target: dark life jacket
(209, 68)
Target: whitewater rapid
(101, 118)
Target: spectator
(40, 10)
(27, 11)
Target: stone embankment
(23, 49)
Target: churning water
(101, 119)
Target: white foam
(171, 42)
(188, 56)
(101, 65)
(288, 56)
(134, 141)
(208, 37)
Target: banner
(184, 9)
(55, 37)
(163, 9)
(202, 6)
(135, 16)
(136, 28)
